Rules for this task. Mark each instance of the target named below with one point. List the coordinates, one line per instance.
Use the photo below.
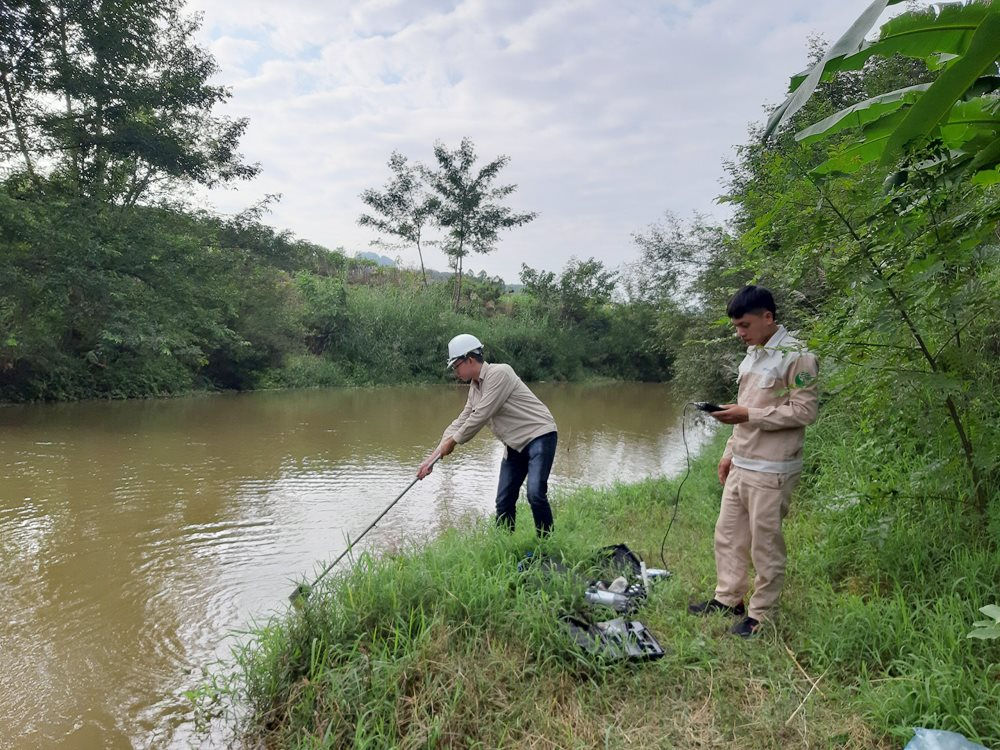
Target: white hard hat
(461, 345)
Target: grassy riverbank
(448, 645)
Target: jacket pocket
(769, 379)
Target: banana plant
(958, 114)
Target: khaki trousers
(749, 529)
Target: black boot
(746, 628)
(714, 605)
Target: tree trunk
(100, 153)
(100, 94)
(458, 285)
(421, 256)
(15, 118)
(74, 152)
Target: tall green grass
(448, 645)
(398, 334)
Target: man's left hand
(731, 414)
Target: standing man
(762, 460)
(519, 420)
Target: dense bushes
(133, 302)
(101, 301)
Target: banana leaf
(934, 105)
(862, 113)
(848, 44)
(936, 35)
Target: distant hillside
(439, 275)
(432, 274)
(381, 260)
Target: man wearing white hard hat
(520, 421)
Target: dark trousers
(534, 461)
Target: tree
(402, 208)
(468, 204)
(21, 66)
(541, 285)
(674, 259)
(105, 287)
(924, 249)
(111, 97)
(584, 287)
(956, 115)
(683, 278)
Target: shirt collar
(482, 374)
(772, 343)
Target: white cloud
(611, 112)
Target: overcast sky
(611, 112)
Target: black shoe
(714, 605)
(746, 628)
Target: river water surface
(136, 536)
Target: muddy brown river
(136, 537)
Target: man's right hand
(444, 449)
(724, 466)
(426, 467)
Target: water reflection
(135, 535)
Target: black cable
(677, 498)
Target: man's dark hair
(751, 299)
(476, 354)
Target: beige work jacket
(501, 399)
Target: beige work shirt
(501, 398)
(777, 384)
